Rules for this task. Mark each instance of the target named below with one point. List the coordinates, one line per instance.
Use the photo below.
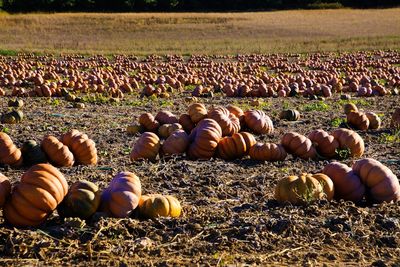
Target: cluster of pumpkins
(366, 178)
(203, 134)
(73, 147)
(44, 189)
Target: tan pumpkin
(9, 153)
(229, 123)
(5, 189)
(176, 143)
(349, 107)
(197, 112)
(146, 147)
(351, 140)
(165, 130)
(204, 139)
(290, 115)
(268, 152)
(41, 190)
(166, 117)
(358, 120)
(155, 205)
(235, 146)
(258, 122)
(326, 145)
(148, 122)
(298, 145)
(186, 123)
(57, 153)
(374, 120)
(382, 184)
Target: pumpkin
(9, 153)
(290, 115)
(374, 120)
(122, 195)
(349, 107)
(299, 190)
(258, 122)
(68, 138)
(204, 139)
(134, 129)
(236, 146)
(238, 112)
(350, 140)
(298, 145)
(326, 145)
(5, 189)
(229, 123)
(146, 147)
(197, 112)
(17, 103)
(395, 121)
(166, 130)
(155, 205)
(83, 148)
(176, 143)
(13, 117)
(347, 184)
(327, 185)
(186, 123)
(358, 120)
(82, 200)
(57, 153)
(166, 117)
(41, 190)
(267, 152)
(148, 122)
(32, 153)
(382, 185)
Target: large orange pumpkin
(268, 152)
(204, 139)
(57, 152)
(146, 147)
(325, 143)
(41, 190)
(298, 145)
(351, 140)
(9, 153)
(238, 112)
(358, 120)
(197, 112)
(229, 123)
(236, 146)
(258, 122)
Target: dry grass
(186, 33)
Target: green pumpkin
(13, 117)
(82, 200)
(32, 153)
(15, 103)
(290, 115)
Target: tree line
(185, 5)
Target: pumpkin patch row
(44, 189)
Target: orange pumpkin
(83, 148)
(197, 112)
(349, 107)
(176, 143)
(374, 120)
(325, 143)
(57, 152)
(358, 120)
(41, 190)
(298, 145)
(258, 122)
(238, 112)
(146, 147)
(155, 205)
(349, 139)
(148, 122)
(268, 152)
(236, 146)
(229, 123)
(382, 185)
(5, 189)
(204, 139)
(9, 153)
(166, 117)
(186, 123)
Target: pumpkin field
(258, 159)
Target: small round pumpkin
(290, 115)
(122, 196)
(155, 205)
(176, 143)
(146, 147)
(197, 112)
(165, 130)
(268, 152)
(166, 117)
(325, 143)
(351, 140)
(382, 185)
(299, 190)
(298, 145)
(374, 120)
(258, 122)
(5, 189)
(347, 184)
(349, 107)
(235, 146)
(57, 153)
(9, 153)
(82, 200)
(229, 123)
(204, 139)
(13, 117)
(358, 120)
(41, 190)
(148, 122)
(32, 153)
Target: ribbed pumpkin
(326, 145)
(235, 146)
(299, 190)
(298, 145)
(268, 152)
(41, 190)
(122, 196)
(374, 120)
(327, 185)
(146, 147)
(84, 150)
(155, 205)
(290, 115)
(15, 116)
(382, 185)
(349, 107)
(176, 143)
(148, 122)
(395, 121)
(82, 200)
(69, 137)
(57, 153)
(238, 112)
(32, 153)
(5, 189)
(258, 122)
(229, 123)
(186, 123)
(197, 112)
(348, 185)
(166, 130)
(166, 117)
(358, 120)
(9, 153)
(204, 139)
(349, 139)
